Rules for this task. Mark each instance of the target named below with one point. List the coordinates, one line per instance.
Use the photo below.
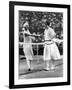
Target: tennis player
(27, 47)
(51, 52)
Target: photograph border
(11, 43)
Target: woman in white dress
(27, 46)
(51, 52)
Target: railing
(37, 44)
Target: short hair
(47, 23)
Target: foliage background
(36, 21)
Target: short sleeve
(52, 32)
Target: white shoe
(47, 69)
(52, 68)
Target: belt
(47, 40)
(51, 42)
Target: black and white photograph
(40, 44)
(40, 37)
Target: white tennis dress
(27, 47)
(50, 49)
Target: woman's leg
(48, 64)
(28, 64)
(52, 64)
(54, 54)
(47, 57)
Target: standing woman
(27, 47)
(51, 52)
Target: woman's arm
(57, 40)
